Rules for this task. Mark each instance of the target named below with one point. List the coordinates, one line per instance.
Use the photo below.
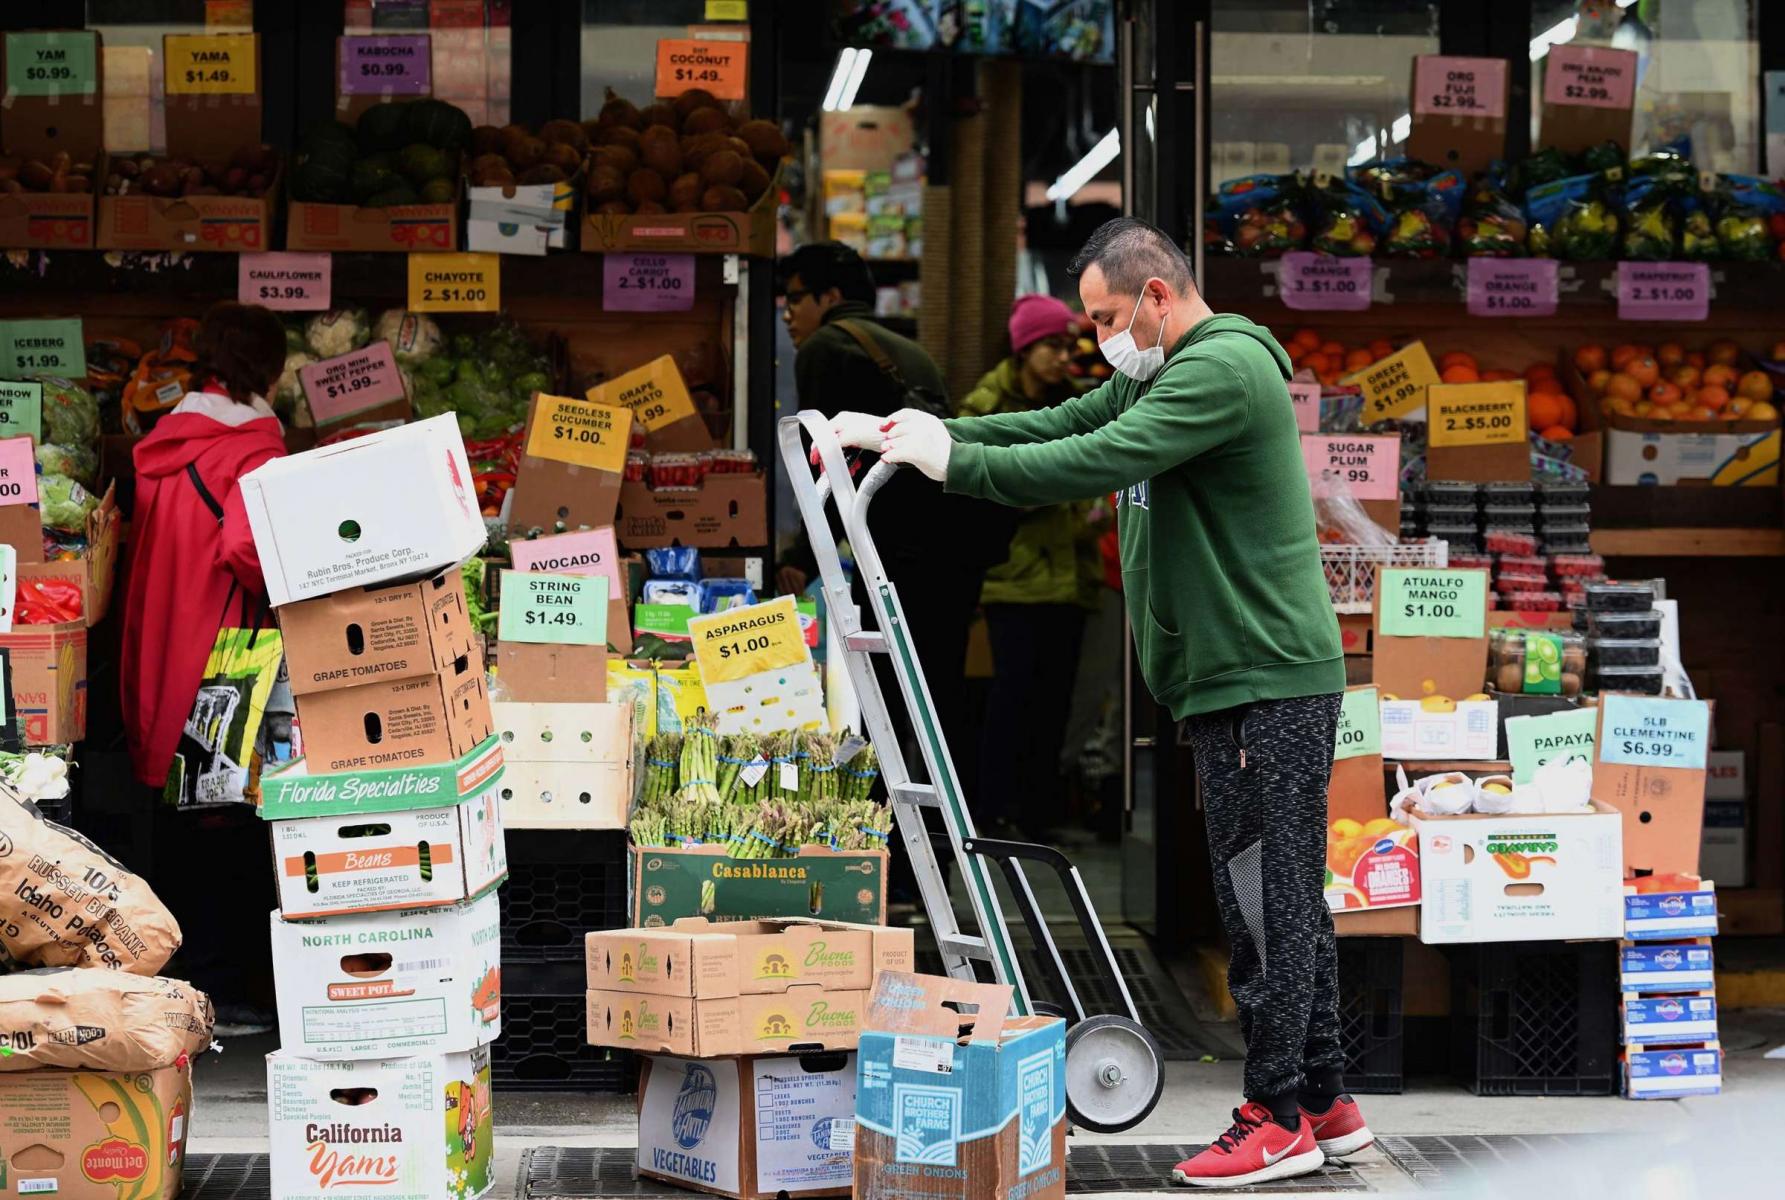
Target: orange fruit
(1570, 413)
(1496, 375)
(1381, 348)
(1537, 371)
(1329, 378)
(1460, 374)
(1643, 369)
(1624, 353)
(1695, 358)
(1665, 393)
(1713, 398)
(1552, 385)
(1725, 352)
(1670, 354)
(1620, 406)
(1543, 410)
(1621, 384)
(1458, 358)
(1641, 408)
(1318, 363)
(1686, 376)
(1720, 375)
(1590, 358)
(1737, 407)
(1333, 349)
(1762, 410)
(1755, 385)
(1357, 360)
(1699, 413)
(1597, 381)
(1657, 414)
(1556, 433)
(1306, 338)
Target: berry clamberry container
(1610, 596)
(1623, 624)
(1644, 681)
(1625, 652)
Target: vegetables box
(696, 957)
(1669, 1020)
(431, 718)
(750, 232)
(1657, 916)
(1664, 1074)
(569, 765)
(703, 881)
(520, 219)
(93, 573)
(39, 128)
(49, 680)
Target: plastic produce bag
(70, 414)
(1260, 216)
(79, 463)
(1571, 219)
(1349, 221)
(1491, 225)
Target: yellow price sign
(573, 431)
(1476, 414)
(731, 645)
(728, 10)
(1396, 385)
(654, 392)
(455, 282)
(210, 64)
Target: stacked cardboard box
(387, 832)
(747, 1031)
(1667, 975)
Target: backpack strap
(877, 353)
(204, 493)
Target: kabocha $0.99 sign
(748, 641)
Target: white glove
(858, 431)
(917, 439)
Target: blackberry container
(1502, 494)
(1621, 625)
(1565, 517)
(1563, 493)
(1642, 680)
(1567, 541)
(1625, 652)
(1607, 596)
(1465, 540)
(1450, 491)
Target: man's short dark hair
(1130, 252)
(822, 266)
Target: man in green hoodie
(1234, 630)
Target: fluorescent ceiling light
(839, 78)
(1401, 128)
(1555, 35)
(1363, 152)
(1086, 168)
(856, 72)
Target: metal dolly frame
(1115, 1072)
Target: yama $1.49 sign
(1669, 291)
(455, 282)
(568, 610)
(1397, 385)
(1647, 731)
(1322, 282)
(210, 64)
(582, 434)
(338, 388)
(748, 641)
(1432, 602)
(1476, 414)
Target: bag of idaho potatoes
(64, 902)
(85, 1019)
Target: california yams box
(396, 1129)
(95, 1135)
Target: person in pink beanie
(1036, 601)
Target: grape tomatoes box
(381, 632)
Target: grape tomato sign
(1645, 731)
(1590, 77)
(1323, 282)
(286, 282)
(1512, 287)
(386, 65)
(1668, 291)
(1428, 602)
(647, 282)
(1445, 86)
(1369, 465)
(654, 393)
(340, 387)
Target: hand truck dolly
(1114, 1070)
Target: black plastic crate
(1536, 1018)
(544, 1045)
(561, 885)
(1370, 1026)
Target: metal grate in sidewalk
(227, 1177)
(1444, 1163)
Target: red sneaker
(1255, 1150)
(1340, 1130)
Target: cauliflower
(339, 332)
(414, 337)
(65, 503)
(70, 414)
(288, 394)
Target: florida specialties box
(416, 1128)
(939, 1114)
(378, 985)
(752, 1127)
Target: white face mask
(1122, 354)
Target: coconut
(724, 167)
(526, 152)
(606, 184)
(696, 149)
(618, 135)
(692, 99)
(566, 133)
(753, 180)
(563, 156)
(645, 184)
(614, 208)
(650, 208)
(764, 139)
(684, 193)
(723, 199)
(659, 150)
(618, 111)
(658, 114)
(486, 139)
(621, 159)
(706, 120)
(541, 173)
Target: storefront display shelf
(1690, 543)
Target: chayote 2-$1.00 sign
(757, 669)
(1647, 731)
(1432, 602)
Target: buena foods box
(942, 1113)
(804, 1017)
(1519, 878)
(1664, 1074)
(380, 985)
(373, 841)
(703, 881)
(695, 957)
(1687, 911)
(1468, 730)
(95, 1135)
(416, 1128)
(391, 505)
(750, 232)
(433, 718)
(569, 766)
(1667, 967)
(383, 632)
(752, 1127)
(1670, 1020)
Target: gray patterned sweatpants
(1263, 770)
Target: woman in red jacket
(191, 550)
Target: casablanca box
(695, 957)
(806, 1017)
(416, 1128)
(377, 985)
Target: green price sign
(52, 64)
(1360, 724)
(1533, 741)
(21, 409)
(1426, 602)
(569, 610)
(43, 348)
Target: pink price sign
(386, 65)
(288, 282)
(647, 282)
(1512, 287)
(1306, 398)
(338, 388)
(584, 552)
(1590, 77)
(18, 472)
(1444, 86)
(1323, 282)
(1671, 291)
(1368, 465)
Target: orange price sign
(715, 66)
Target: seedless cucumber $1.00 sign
(739, 642)
(580, 433)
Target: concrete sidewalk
(230, 1116)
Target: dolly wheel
(1115, 1073)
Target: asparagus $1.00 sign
(757, 669)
